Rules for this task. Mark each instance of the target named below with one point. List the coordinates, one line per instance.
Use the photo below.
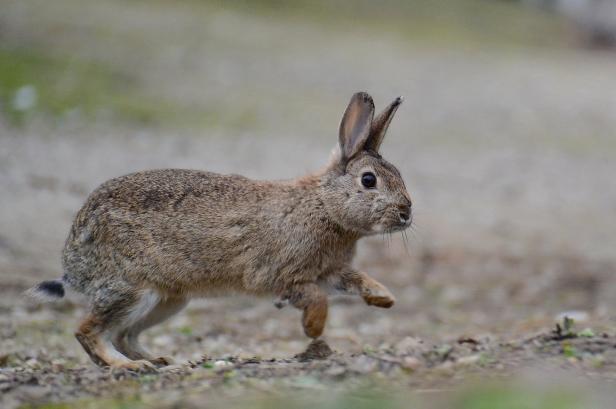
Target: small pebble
(222, 364)
(468, 360)
(33, 363)
(364, 364)
(409, 345)
(58, 365)
(336, 370)
(410, 362)
(172, 368)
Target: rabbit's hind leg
(110, 311)
(127, 340)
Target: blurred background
(506, 142)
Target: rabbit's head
(364, 192)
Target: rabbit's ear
(380, 125)
(355, 125)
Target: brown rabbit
(144, 244)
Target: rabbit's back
(193, 231)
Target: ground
(505, 141)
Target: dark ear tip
(399, 100)
(363, 96)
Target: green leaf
(587, 333)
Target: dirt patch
(410, 362)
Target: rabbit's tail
(47, 291)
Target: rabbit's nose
(405, 212)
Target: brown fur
(144, 243)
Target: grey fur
(189, 233)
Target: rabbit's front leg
(374, 293)
(312, 300)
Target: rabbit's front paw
(376, 294)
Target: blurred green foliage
(41, 77)
(511, 398)
(34, 83)
(60, 87)
(485, 397)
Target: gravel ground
(57, 372)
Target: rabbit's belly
(239, 274)
(277, 277)
(177, 276)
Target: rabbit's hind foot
(127, 340)
(109, 334)
(102, 351)
(140, 365)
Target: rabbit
(144, 244)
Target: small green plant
(586, 333)
(148, 378)
(564, 330)
(569, 350)
(369, 349)
(568, 323)
(229, 375)
(485, 359)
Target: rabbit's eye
(368, 180)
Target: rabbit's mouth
(401, 225)
(392, 217)
(393, 223)
(402, 220)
